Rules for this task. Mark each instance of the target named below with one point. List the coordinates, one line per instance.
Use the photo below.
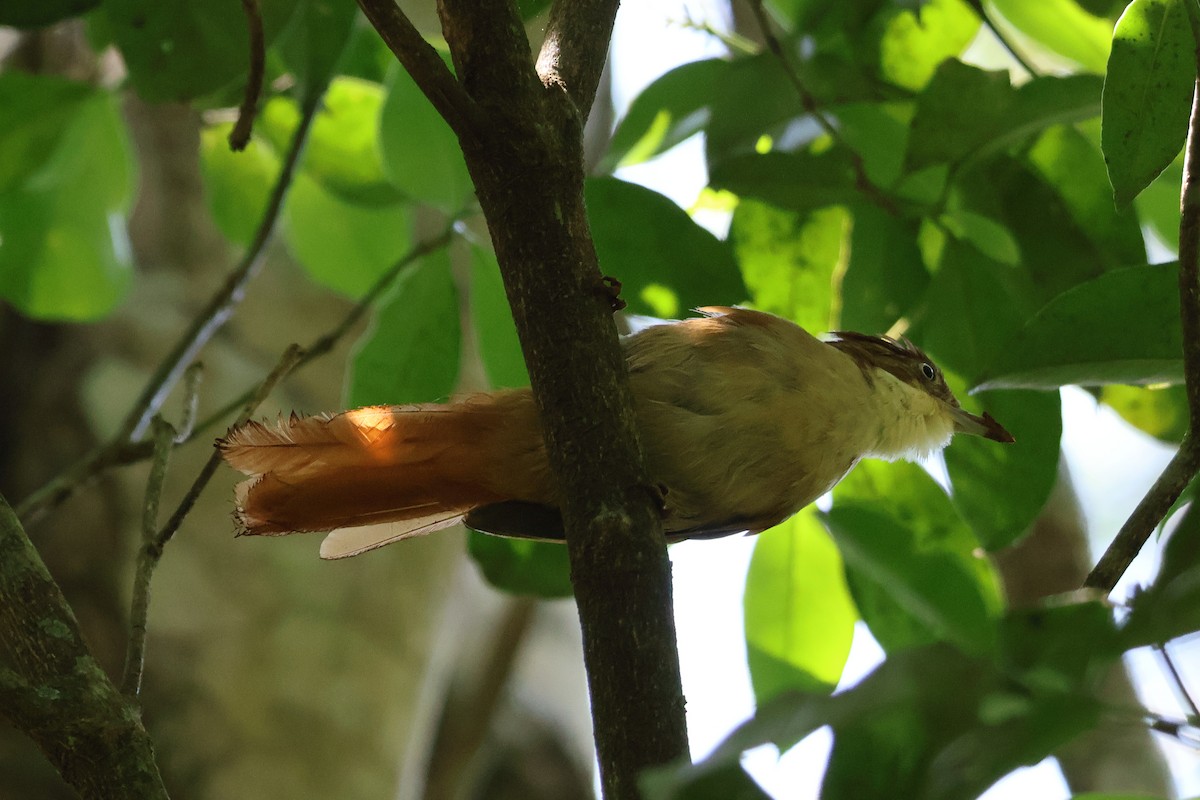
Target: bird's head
(905, 362)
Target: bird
(744, 417)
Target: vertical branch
(148, 553)
(522, 140)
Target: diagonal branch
(1186, 462)
(423, 63)
(808, 102)
(56, 692)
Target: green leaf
(665, 261)
(668, 111)
(1160, 411)
(492, 318)
(986, 235)
(342, 151)
(313, 42)
(794, 181)
(976, 310)
(1062, 27)
(1158, 204)
(798, 612)
(1131, 319)
(727, 782)
(1147, 94)
(521, 566)
(64, 254)
(932, 586)
(912, 43)
(411, 352)
(979, 757)
(1067, 161)
(531, 8)
(343, 246)
(38, 13)
(789, 260)
(885, 275)
(421, 156)
(1170, 606)
(38, 111)
(181, 50)
(237, 185)
(948, 130)
(878, 133)
(935, 723)
(932, 536)
(1058, 239)
(1059, 647)
(826, 16)
(1001, 489)
(755, 97)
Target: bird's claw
(610, 289)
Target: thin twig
(239, 137)
(154, 539)
(1184, 732)
(163, 435)
(135, 452)
(191, 403)
(219, 308)
(1186, 462)
(1177, 679)
(286, 364)
(425, 66)
(808, 102)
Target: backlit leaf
(1131, 320)
(522, 566)
(64, 251)
(667, 264)
(410, 354)
(798, 612)
(1062, 27)
(342, 245)
(1147, 94)
(666, 112)
(421, 155)
(789, 260)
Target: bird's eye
(928, 371)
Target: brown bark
(521, 133)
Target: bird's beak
(985, 426)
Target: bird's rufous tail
(420, 467)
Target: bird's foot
(610, 290)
